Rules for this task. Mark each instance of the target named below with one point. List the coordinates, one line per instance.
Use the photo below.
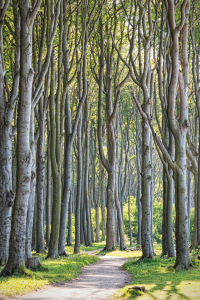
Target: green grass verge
(159, 278)
(129, 253)
(59, 270)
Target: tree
(16, 259)
(7, 105)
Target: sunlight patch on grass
(19, 285)
(126, 254)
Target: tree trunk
(194, 243)
(169, 222)
(180, 131)
(55, 165)
(110, 226)
(31, 201)
(198, 193)
(86, 184)
(182, 237)
(129, 207)
(103, 211)
(189, 196)
(16, 260)
(138, 150)
(34, 235)
(65, 197)
(40, 180)
(48, 200)
(164, 218)
(78, 196)
(170, 196)
(147, 250)
(6, 115)
(69, 239)
(95, 201)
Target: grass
(160, 279)
(60, 270)
(95, 246)
(130, 254)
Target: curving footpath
(97, 281)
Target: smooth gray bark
(16, 260)
(138, 150)
(31, 201)
(40, 180)
(6, 135)
(86, 183)
(48, 200)
(69, 238)
(78, 196)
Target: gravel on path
(97, 281)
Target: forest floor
(97, 281)
(60, 270)
(108, 279)
(160, 280)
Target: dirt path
(97, 281)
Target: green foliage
(157, 220)
(134, 225)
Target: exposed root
(5, 273)
(63, 254)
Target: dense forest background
(99, 127)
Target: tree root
(63, 254)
